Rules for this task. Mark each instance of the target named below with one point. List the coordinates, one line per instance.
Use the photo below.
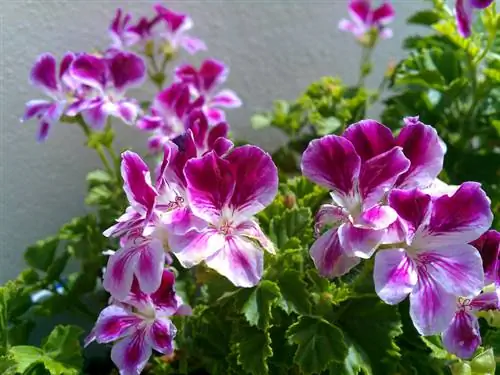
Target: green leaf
(328, 126)
(98, 195)
(257, 309)
(319, 343)
(437, 350)
(292, 223)
(60, 354)
(254, 348)
(295, 295)
(57, 267)
(63, 346)
(98, 177)
(260, 121)
(424, 17)
(372, 327)
(20, 332)
(484, 363)
(354, 364)
(102, 138)
(41, 255)
(8, 365)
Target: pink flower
(169, 115)
(434, 262)
(140, 323)
(125, 35)
(205, 83)
(59, 87)
(108, 78)
(176, 30)
(364, 18)
(226, 192)
(489, 248)
(462, 337)
(464, 12)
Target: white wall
(275, 48)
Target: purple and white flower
(364, 18)
(205, 83)
(176, 30)
(489, 248)
(464, 11)
(140, 323)
(462, 337)
(59, 86)
(169, 115)
(108, 78)
(434, 263)
(226, 192)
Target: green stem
(365, 62)
(99, 149)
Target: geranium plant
(358, 247)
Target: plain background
(275, 48)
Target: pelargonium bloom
(140, 323)
(489, 248)
(205, 83)
(462, 337)
(226, 192)
(169, 115)
(176, 30)
(58, 86)
(124, 34)
(108, 77)
(364, 18)
(464, 11)
(434, 262)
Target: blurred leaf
(257, 309)
(290, 223)
(295, 295)
(424, 17)
(254, 348)
(41, 254)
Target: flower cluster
(385, 200)
(166, 30)
(365, 19)
(174, 109)
(90, 85)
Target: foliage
(294, 321)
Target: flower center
(464, 304)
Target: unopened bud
(289, 200)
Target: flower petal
(211, 74)
(130, 221)
(489, 248)
(458, 219)
(486, 301)
(113, 323)
(210, 185)
(329, 214)
(331, 161)
(127, 111)
(126, 69)
(457, 269)
(256, 180)
(35, 108)
(119, 273)
(194, 246)
(250, 229)
(150, 263)
(359, 242)
(384, 14)
(222, 146)
(369, 138)
(95, 115)
(137, 182)
(164, 298)
(377, 217)
(423, 147)
(161, 335)
(181, 220)
(149, 123)
(220, 130)
(379, 174)
(431, 307)
(226, 99)
(240, 261)
(481, 4)
(193, 45)
(131, 354)
(43, 73)
(329, 257)
(215, 115)
(462, 337)
(360, 10)
(413, 208)
(463, 14)
(90, 70)
(43, 131)
(395, 275)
